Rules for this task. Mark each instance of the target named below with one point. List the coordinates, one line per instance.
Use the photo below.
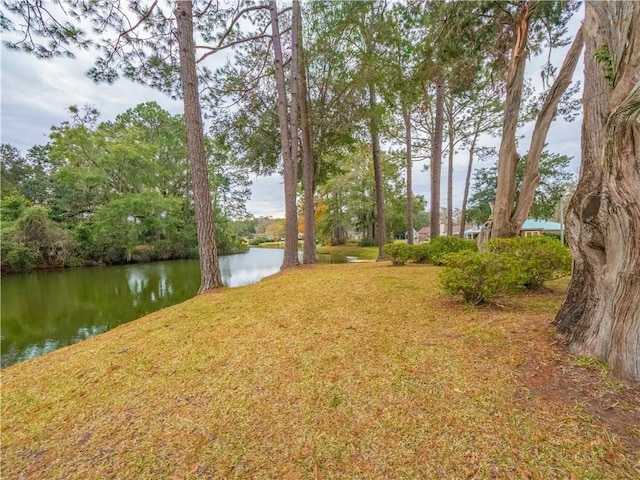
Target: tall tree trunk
(210, 277)
(548, 112)
(294, 84)
(436, 158)
(374, 130)
(308, 183)
(600, 316)
(508, 156)
(288, 162)
(467, 183)
(450, 171)
(406, 115)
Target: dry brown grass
(331, 371)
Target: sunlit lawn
(330, 371)
(362, 253)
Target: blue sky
(35, 95)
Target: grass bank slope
(331, 371)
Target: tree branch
(213, 50)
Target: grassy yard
(363, 253)
(330, 371)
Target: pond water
(43, 311)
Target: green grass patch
(592, 363)
(272, 245)
(332, 371)
(363, 253)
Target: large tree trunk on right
(289, 165)
(436, 158)
(308, 165)
(210, 277)
(374, 131)
(600, 316)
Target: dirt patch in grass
(331, 371)
(557, 378)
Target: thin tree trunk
(508, 156)
(309, 249)
(374, 130)
(210, 277)
(600, 316)
(531, 176)
(406, 115)
(436, 158)
(450, 171)
(294, 84)
(290, 258)
(467, 183)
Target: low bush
(259, 240)
(17, 257)
(420, 253)
(441, 246)
(479, 276)
(398, 253)
(35, 241)
(368, 242)
(539, 258)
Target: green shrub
(258, 240)
(479, 276)
(12, 206)
(538, 258)
(420, 253)
(17, 257)
(441, 246)
(368, 242)
(398, 253)
(48, 244)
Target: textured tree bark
(289, 165)
(374, 130)
(508, 156)
(308, 165)
(210, 277)
(436, 158)
(406, 115)
(600, 316)
(531, 177)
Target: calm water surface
(44, 311)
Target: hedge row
(508, 265)
(429, 252)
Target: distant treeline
(112, 192)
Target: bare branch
(213, 50)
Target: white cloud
(267, 197)
(36, 94)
